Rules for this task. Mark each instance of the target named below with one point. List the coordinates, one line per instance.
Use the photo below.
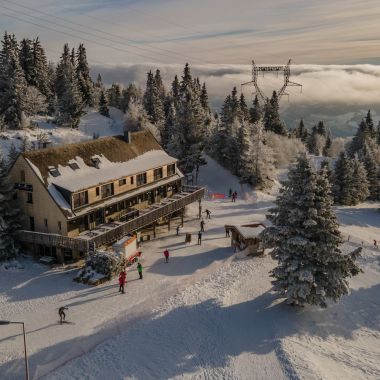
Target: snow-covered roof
(247, 231)
(88, 176)
(114, 148)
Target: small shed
(246, 237)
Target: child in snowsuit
(139, 269)
(122, 281)
(166, 254)
(61, 313)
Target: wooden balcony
(147, 217)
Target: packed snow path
(206, 314)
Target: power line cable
(131, 43)
(75, 36)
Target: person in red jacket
(166, 254)
(122, 281)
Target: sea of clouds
(338, 94)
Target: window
(132, 180)
(80, 199)
(31, 223)
(30, 198)
(22, 176)
(95, 161)
(122, 182)
(157, 174)
(171, 169)
(45, 222)
(97, 191)
(141, 179)
(60, 226)
(107, 190)
(74, 165)
(54, 171)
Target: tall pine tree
(9, 216)
(305, 236)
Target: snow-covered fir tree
(114, 95)
(188, 133)
(154, 100)
(301, 132)
(343, 180)
(360, 185)
(103, 108)
(305, 237)
(9, 215)
(26, 59)
(255, 111)
(84, 80)
(361, 139)
(12, 84)
(373, 176)
(272, 120)
(12, 155)
(70, 105)
(327, 148)
(130, 94)
(263, 158)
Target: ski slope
(207, 314)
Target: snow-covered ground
(92, 123)
(206, 314)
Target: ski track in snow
(205, 315)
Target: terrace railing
(166, 207)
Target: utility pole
(271, 69)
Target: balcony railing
(166, 207)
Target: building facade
(70, 196)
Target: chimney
(128, 136)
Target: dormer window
(74, 165)
(95, 161)
(54, 171)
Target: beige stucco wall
(43, 206)
(93, 198)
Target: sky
(334, 44)
(203, 31)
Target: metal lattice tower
(273, 69)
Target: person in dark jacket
(122, 281)
(61, 313)
(202, 225)
(199, 238)
(208, 213)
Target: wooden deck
(147, 217)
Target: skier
(199, 238)
(166, 254)
(202, 225)
(122, 281)
(139, 269)
(61, 313)
(208, 213)
(178, 229)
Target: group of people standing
(123, 277)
